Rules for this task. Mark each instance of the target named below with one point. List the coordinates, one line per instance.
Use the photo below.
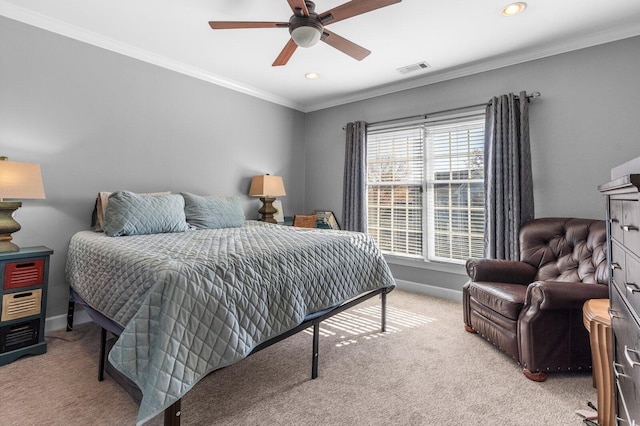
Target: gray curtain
(354, 202)
(508, 180)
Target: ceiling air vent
(415, 67)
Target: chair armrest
(554, 295)
(503, 271)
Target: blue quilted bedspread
(195, 301)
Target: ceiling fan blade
(344, 45)
(299, 7)
(228, 25)
(353, 8)
(286, 53)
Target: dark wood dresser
(623, 235)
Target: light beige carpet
(426, 370)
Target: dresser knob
(629, 228)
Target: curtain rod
(533, 95)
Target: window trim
(422, 263)
(427, 259)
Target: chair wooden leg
(536, 377)
(469, 329)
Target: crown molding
(56, 26)
(53, 25)
(577, 43)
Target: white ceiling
(455, 37)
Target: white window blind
(455, 182)
(395, 175)
(425, 188)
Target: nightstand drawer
(23, 274)
(18, 336)
(21, 304)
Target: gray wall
(586, 122)
(99, 121)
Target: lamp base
(267, 210)
(8, 225)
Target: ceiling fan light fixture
(306, 36)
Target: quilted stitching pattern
(564, 249)
(197, 301)
(213, 211)
(134, 214)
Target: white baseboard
(430, 290)
(59, 322)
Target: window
(425, 188)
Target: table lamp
(267, 187)
(17, 181)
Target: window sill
(450, 268)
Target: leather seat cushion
(503, 298)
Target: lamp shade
(267, 186)
(20, 180)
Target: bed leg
(384, 310)
(172, 414)
(70, 310)
(316, 343)
(103, 344)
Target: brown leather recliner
(532, 309)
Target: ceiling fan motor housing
(306, 30)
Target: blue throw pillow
(128, 213)
(212, 212)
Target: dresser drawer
(631, 283)
(618, 267)
(626, 366)
(625, 223)
(615, 215)
(625, 272)
(631, 225)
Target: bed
(185, 303)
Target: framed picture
(279, 214)
(327, 220)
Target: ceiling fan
(308, 27)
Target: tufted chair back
(566, 249)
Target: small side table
(595, 315)
(23, 286)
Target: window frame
(474, 118)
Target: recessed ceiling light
(514, 8)
(312, 75)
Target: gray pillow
(128, 213)
(212, 212)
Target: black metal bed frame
(173, 412)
